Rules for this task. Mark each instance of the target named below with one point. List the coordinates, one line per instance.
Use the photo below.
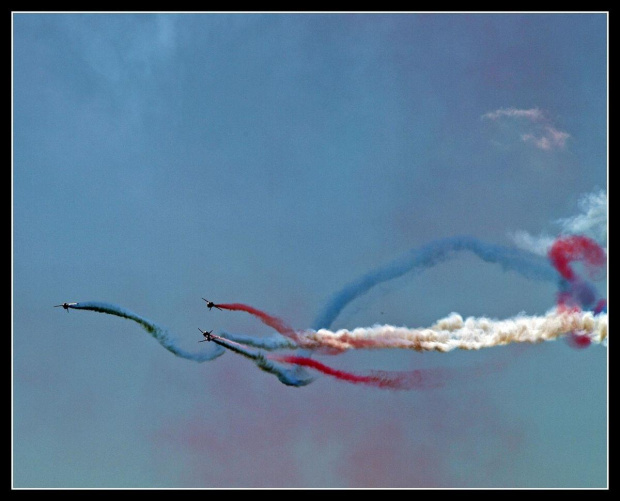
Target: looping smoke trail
(526, 263)
(159, 333)
(453, 332)
(576, 248)
(575, 293)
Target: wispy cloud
(540, 132)
(132, 65)
(549, 140)
(591, 221)
(538, 244)
(533, 114)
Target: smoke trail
(576, 248)
(159, 333)
(601, 307)
(272, 343)
(523, 262)
(381, 379)
(290, 377)
(454, 332)
(274, 322)
(413, 380)
(416, 379)
(575, 292)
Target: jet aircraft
(208, 336)
(211, 304)
(64, 305)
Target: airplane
(208, 336)
(211, 304)
(65, 306)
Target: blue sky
(271, 159)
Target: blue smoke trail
(276, 342)
(526, 263)
(159, 333)
(289, 376)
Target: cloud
(551, 138)
(537, 244)
(591, 221)
(131, 57)
(538, 129)
(533, 114)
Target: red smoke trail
(414, 380)
(578, 341)
(600, 306)
(576, 248)
(277, 323)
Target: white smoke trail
(454, 332)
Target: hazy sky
(271, 159)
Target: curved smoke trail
(526, 263)
(272, 321)
(523, 262)
(411, 380)
(452, 332)
(159, 333)
(290, 377)
(403, 380)
(576, 248)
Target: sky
(271, 159)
